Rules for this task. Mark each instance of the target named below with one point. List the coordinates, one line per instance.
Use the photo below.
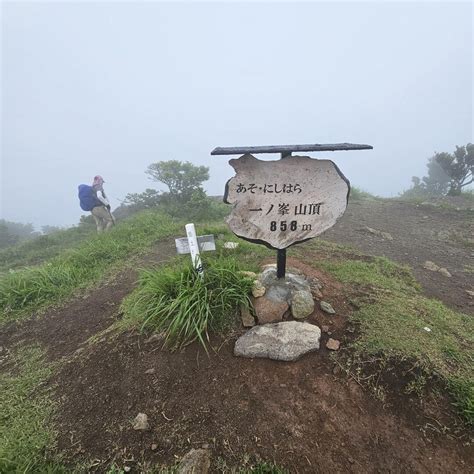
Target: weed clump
(358, 194)
(177, 302)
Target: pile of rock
(273, 334)
(275, 300)
(428, 265)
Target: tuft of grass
(468, 269)
(79, 267)
(265, 468)
(468, 195)
(246, 250)
(358, 194)
(176, 301)
(391, 319)
(377, 272)
(26, 434)
(325, 250)
(249, 467)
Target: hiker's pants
(102, 217)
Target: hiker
(93, 199)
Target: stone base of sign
(274, 337)
(283, 298)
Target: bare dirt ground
(306, 416)
(420, 233)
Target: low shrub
(176, 301)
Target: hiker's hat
(98, 180)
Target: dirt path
(420, 233)
(61, 331)
(298, 414)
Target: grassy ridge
(50, 282)
(395, 321)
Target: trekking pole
(111, 215)
(108, 208)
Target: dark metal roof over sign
(288, 149)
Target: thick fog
(108, 88)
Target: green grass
(468, 269)
(26, 433)
(177, 302)
(265, 468)
(440, 201)
(391, 319)
(358, 194)
(249, 467)
(378, 272)
(42, 248)
(51, 282)
(468, 195)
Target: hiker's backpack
(87, 197)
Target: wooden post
(281, 253)
(281, 263)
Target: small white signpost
(194, 245)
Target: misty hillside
(100, 365)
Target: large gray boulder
(287, 341)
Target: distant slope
(87, 259)
(44, 247)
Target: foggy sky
(108, 88)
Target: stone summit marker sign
(284, 202)
(280, 203)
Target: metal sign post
(283, 202)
